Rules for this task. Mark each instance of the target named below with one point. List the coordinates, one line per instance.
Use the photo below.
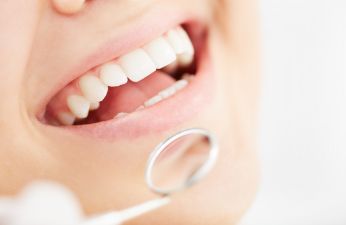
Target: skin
(101, 177)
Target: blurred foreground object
(41, 203)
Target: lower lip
(185, 105)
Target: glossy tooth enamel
(79, 106)
(137, 65)
(113, 75)
(92, 88)
(188, 46)
(185, 58)
(153, 101)
(160, 52)
(167, 92)
(167, 52)
(174, 39)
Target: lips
(150, 79)
(74, 102)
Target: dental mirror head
(175, 164)
(180, 161)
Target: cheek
(16, 36)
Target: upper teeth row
(135, 66)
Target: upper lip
(138, 34)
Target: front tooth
(66, 118)
(153, 101)
(176, 41)
(160, 52)
(112, 75)
(137, 65)
(78, 105)
(92, 88)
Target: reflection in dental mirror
(180, 161)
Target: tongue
(129, 97)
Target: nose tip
(68, 6)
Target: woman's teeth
(137, 65)
(78, 105)
(66, 118)
(168, 92)
(112, 75)
(161, 52)
(92, 88)
(167, 52)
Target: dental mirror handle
(119, 217)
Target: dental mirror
(180, 161)
(175, 164)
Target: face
(85, 97)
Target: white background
(303, 116)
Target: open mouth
(134, 81)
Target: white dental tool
(50, 203)
(116, 218)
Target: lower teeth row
(164, 94)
